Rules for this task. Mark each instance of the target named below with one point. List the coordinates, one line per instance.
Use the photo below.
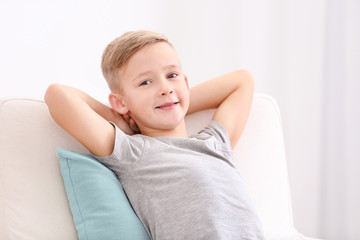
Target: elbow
(245, 79)
(51, 93)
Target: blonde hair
(120, 50)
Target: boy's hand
(128, 125)
(125, 123)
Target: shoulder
(126, 148)
(215, 129)
(217, 132)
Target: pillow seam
(77, 202)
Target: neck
(179, 131)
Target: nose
(166, 89)
(166, 92)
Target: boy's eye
(172, 75)
(146, 82)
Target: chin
(168, 126)
(171, 123)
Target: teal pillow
(97, 200)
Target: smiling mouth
(167, 105)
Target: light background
(303, 53)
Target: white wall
(280, 42)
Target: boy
(180, 187)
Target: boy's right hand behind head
(126, 123)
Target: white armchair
(33, 203)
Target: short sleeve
(126, 153)
(216, 131)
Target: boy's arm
(232, 95)
(84, 118)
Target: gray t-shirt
(185, 188)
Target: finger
(133, 125)
(126, 117)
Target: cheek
(185, 94)
(140, 104)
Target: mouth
(168, 105)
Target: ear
(117, 103)
(186, 80)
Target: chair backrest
(33, 203)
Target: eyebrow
(147, 72)
(141, 74)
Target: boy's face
(155, 92)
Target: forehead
(151, 58)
